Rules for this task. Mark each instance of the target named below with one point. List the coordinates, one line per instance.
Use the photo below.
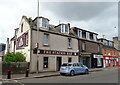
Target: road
(105, 76)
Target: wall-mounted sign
(53, 52)
(22, 41)
(98, 56)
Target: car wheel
(72, 73)
(86, 71)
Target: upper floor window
(91, 36)
(105, 52)
(105, 42)
(110, 43)
(22, 27)
(69, 43)
(83, 34)
(79, 33)
(64, 28)
(43, 22)
(83, 45)
(46, 39)
(26, 38)
(98, 48)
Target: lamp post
(37, 44)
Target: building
(2, 50)
(89, 48)
(46, 46)
(110, 53)
(116, 43)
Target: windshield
(66, 64)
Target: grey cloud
(76, 11)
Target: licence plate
(62, 69)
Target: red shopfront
(111, 61)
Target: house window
(64, 28)
(98, 48)
(46, 39)
(83, 45)
(105, 52)
(45, 62)
(79, 33)
(26, 38)
(69, 43)
(22, 27)
(83, 34)
(91, 36)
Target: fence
(15, 67)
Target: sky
(99, 17)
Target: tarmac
(42, 74)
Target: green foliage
(14, 57)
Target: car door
(75, 68)
(81, 68)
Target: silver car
(73, 68)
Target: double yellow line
(5, 81)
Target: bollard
(27, 73)
(8, 74)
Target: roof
(83, 30)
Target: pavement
(42, 74)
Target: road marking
(5, 81)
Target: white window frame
(47, 39)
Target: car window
(66, 64)
(80, 64)
(77, 64)
(74, 65)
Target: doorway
(69, 59)
(59, 62)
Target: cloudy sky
(100, 17)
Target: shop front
(97, 60)
(111, 61)
(85, 59)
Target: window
(105, 42)
(22, 27)
(26, 38)
(105, 52)
(45, 62)
(110, 43)
(79, 33)
(64, 28)
(83, 34)
(69, 43)
(69, 59)
(91, 36)
(46, 39)
(43, 22)
(83, 45)
(98, 48)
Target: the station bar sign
(53, 52)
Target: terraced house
(47, 46)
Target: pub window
(69, 59)
(46, 39)
(45, 62)
(69, 43)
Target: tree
(14, 57)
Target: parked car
(73, 68)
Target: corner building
(46, 46)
